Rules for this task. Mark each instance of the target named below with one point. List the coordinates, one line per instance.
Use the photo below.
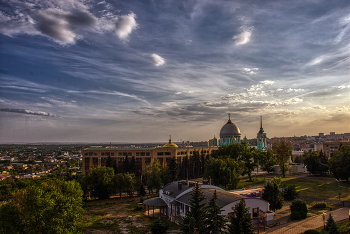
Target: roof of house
(224, 197)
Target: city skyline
(106, 71)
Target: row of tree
(338, 164)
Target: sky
(141, 70)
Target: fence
(331, 201)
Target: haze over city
(138, 71)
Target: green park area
(322, 187)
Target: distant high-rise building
(332, 133)
(321, 134)
(261, 138)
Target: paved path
(309, 223)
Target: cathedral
(230, 133)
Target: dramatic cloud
(125, 25)
(157, 60)
(27, 112)
(244, 36)
(62, 26)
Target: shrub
(292, 193)
(311, 232)
(298, 205)
(319, 205)
(330, 222)
(160, 226)
(303, 215)
(295, 215)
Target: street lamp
(324, 220)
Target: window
(138, 160)
(179, 159)
(103, 160)
(95, 154)
(137, 154)
(160, 153)
(112, 154)
(160, 160)
(147, 160)
(102, 154)
(86, 154)
(120, 154)
(178, 153)
(142, 154)
(182, 153)
(87, 160)
(129, 154)
(191, 152)
(167, 153)
(95, 160)
(90, 153)
(168, 160)
(125, 153)
(108, 154)
(86, 167)
(147, 154)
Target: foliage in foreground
(52, 206)
(214, 223)
(194, 219)
(273, 195)
(160, 226)
(241, 222)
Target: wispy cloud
(244, 36)
(28, 112)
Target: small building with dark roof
(176, 196)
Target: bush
(319, 205)
(292, 193)
(295, 215)
(160, 226)
(303, 215)
(298, 205)
(330, 222)
(311, 232)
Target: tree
(115, 167)
(165, 174)
(223, 172)
(194, 218)
(129, 182)
(273, 195)
(132, 165)
(160, 226)
(50, 206)
(292, 193)
(267, 161)
(283, 152)
(126, 164)
(339, 163)
(109, 162)
(316, 162)
(197, 164)
(184, 168)
(173, 168)
(241, 222)
(249, 164)
(99, 182)
(214, 223)
(120, 183)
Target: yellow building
(97, 156)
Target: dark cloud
(28, 112)
(60, 25)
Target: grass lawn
(117, 218)
(320, 187)
(343, 227)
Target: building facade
(97, 156)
